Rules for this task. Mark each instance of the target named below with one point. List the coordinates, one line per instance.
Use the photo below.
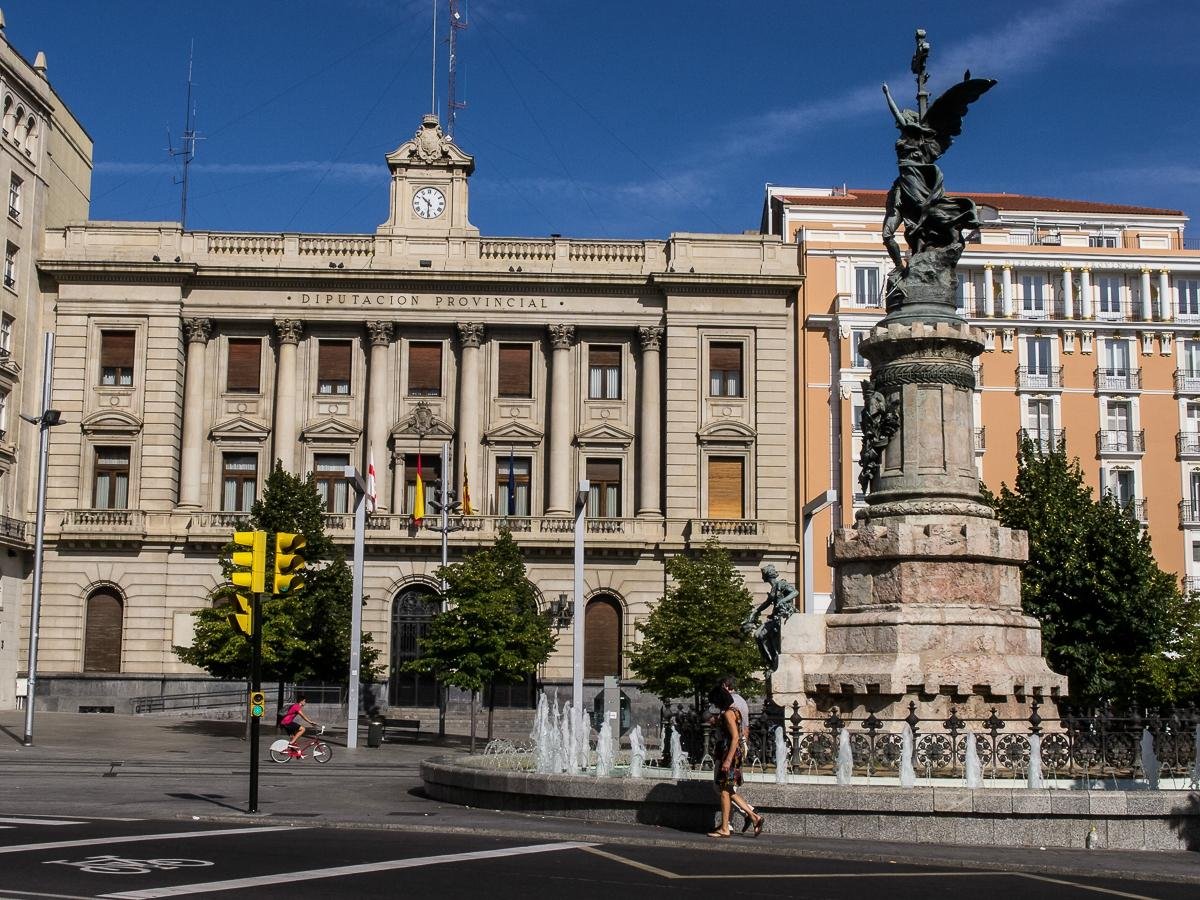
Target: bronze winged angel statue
(932, 221)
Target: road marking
(13, 820)
(5, 892)
(1082, 887)
(133, 838)
(339, 871)
(653, 870)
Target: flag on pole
(466, 493)
(512, 484)
(418, 510)
(372, 495)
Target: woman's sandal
(758, 826)
(746, 825)
(718, 834)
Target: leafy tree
(1112, 621)
(694, 635)
(491, 631)
(306, 636)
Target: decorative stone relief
(430, 144)
(1006, 339)
(197, 330)
(651, 337)
(1147, 343)
(924, 373)
(1164, 342)
(989, 339)
(1085, 341)
(1068, 341)
(289, 330)
(381, 332)
(470, 334)
(561, 336)
(880, 421)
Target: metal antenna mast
(187, 150)
(433, 66)
(458, 22)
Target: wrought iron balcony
(1189, 512)
(1191, 584)
(1187, 443)
(1046, 440)
(1120, 441)
(14, 529)
(1118, 380)
(1048, 378)
(1135, 506)
(1187, 382)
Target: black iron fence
(1095, 744)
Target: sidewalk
(185, 768)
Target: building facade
(1091, 314)
(188, 362)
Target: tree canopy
(1113, 622)
(694, 635)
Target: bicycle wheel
(280, 756)
(322, 752)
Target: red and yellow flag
(418, 510)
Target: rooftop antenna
(433, 108)
(187, 150)
(458, 21)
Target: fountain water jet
(845, 757)
(781, 762)
(637, 752)
(1149, 760)
(973, 768)
(1035, 762)
(678, 757)
(604, 751)
(908, 777)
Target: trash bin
(375, 733)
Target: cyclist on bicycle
(294, 729)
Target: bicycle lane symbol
(111, 864)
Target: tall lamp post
(359, 485)
(46, 420)
(581, 504)
(811, 508)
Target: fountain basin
(951, 814)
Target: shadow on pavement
(215, 799)
(212, 728)
(17, 738)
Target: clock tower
(429, 185)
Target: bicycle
(282, 751)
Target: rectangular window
(1039, 423)
(112, 478)
(1102, 240)
(604, 373)
(1033, 295)
(116, 358)
(333, 367)
(1119, 422)
(604, 492)
(857, 359)
(425, 369)
(1189, 358)
(243, 366)
(725, 369)
(430, 466)
(1110, 295)
(10, 265)
(1038, 354)
(329, 472)
(239, 481)
(3, 413)
(866, 286)
(14, 198)
(6, 334)
(512, 486)
(1116, 358)
(1189, 296)
(726, 498)
(1123, 486)
(515, 370)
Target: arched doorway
(104, 615)
(602, 637)
(412, 610)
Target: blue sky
(614, 119)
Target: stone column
(1087, 303)
(649, 427)
(289, 332)
(1147, 305)
(380, 333)
(558, 421)
(1006, 291)
(1068, 295)
(1164, 296)
(467, 453)
(989, 290)
(192, 452)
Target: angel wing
(944, 116)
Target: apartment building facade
(1091, 316)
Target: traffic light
(258, 703)
(289, 560)
(244, 620)
(250, 565)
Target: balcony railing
(1135, 506)
(1046, 440)
(1187, 381)
(726, 527)
(1118, 380)
(1189, 512)
(1039, 379)
(980, 439)
(104, 525)
(13, 528)
(1187, 443)
(1121, 441)
(1191, 584)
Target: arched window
(102, 631)
(602, 637)
(412, 611)
(8, 115)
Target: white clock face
(429, 202)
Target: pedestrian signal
(258, 703)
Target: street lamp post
(581, 503)
(811, 508)
(46, 420)
(359, 484)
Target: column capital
(1164, 271)
(1007, 267)
(381, 332)
(651, 337)
(197, 330)
(1145, 270)
(289, 330)
(1067, 270)
(561, 336)
(470, 334)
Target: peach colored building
(1091, 313)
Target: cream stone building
(46, 164)
(187, 362)
(1091, 314)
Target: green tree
(1112, 621)
(693, 635)
(306, 636)
(491, 631)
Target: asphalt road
(44, 856)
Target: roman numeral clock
(429, 185)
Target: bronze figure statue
(769, 634)
(880, 420)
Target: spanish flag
(418, 510)
(466, 493)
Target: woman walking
(727, 771)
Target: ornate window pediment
(111, 422)
(330, 431)
(604, 435)
(239, 429)
(423, 423)
(727, 432)
(515, 433)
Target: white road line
(134, 838)
(338, 871)
(12, 820)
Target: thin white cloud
(1165, 175)
(349, 171)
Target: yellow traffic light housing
(243, 620)
(289, 561)
(250, 565)
(258, 704)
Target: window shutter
(516, 370)
(425, 369)
(725, 488)
(725, 357)
(607, 470)
(333, 361)
(602, 638)
(116, 350)
(244, 365)
(102, 637)
(607, 357)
